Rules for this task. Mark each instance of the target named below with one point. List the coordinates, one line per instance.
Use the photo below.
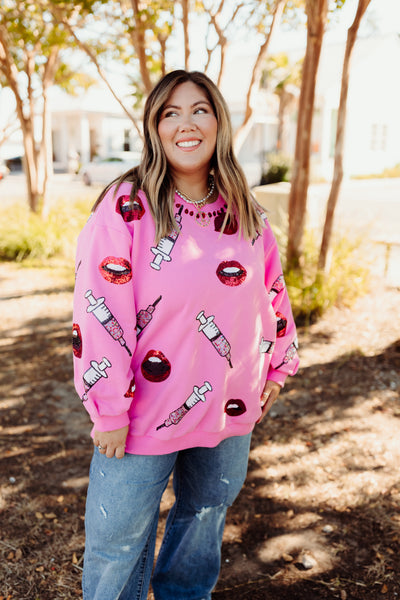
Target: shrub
(276, 168)
(311, 295)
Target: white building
(95, 124)
(373, 116)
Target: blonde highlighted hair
(153, 175)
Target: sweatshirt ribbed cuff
(111, 423)
(277, 376)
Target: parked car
(4, 170)
(103, 170)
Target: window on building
(127, 141)
(378, 142)
(384, 137)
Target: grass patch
(25, 236)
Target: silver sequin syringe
(106, 318)
(96, 371)
(258, 234)
(290, 353)
(196, 396)
(277, 287)
(164, 247)
(212, 332)
(144, 316)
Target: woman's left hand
(269, 395)
(111, 443)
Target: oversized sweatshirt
(177, 339)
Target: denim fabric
(122, 513)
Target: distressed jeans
(122, 511)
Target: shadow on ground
(318, 517)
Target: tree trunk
(185, 23)
(45, 153)
(162, 40)
(30, 165)
(10, 71)
(286, 99)
(323, 263)
(316, 20)
(243, 130)
(139, 43)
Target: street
(372, 205)
(371, 208)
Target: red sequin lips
(76, 340)
(231, 272)
(130, 393)
(234, 408)
(128, 210)
(281, 323)
(155, 366)
(230, 228)
(116, 270)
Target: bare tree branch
(243, 130)
(91, 54)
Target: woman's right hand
(111, 443)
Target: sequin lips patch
(230, 228)
(130, 211)
(155, 366)
(234, 408)
(116, 270)
(76, 340)
(231, 272)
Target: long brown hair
(153, 175)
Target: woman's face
(188, 130)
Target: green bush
(311, 295)
(25, 235)
(276, 168)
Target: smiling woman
(179, 265)
(188, 134)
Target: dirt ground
(319, 515)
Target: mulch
(319, 515)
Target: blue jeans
(122, 513)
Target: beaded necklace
(199, 203)
(202, 218)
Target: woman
(183, 337)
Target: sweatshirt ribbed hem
(202, 439)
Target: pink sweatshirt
(176, 340)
